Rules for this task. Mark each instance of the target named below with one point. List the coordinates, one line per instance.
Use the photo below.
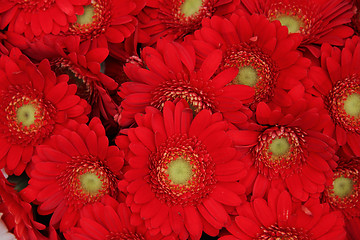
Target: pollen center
(279, 146)
(26, 114)
(342, 186)
(180, 171)
(87, 17)
(352, 105)
(293, 23)
(247, 76)
(90, 182)
(190, 7)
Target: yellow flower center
(352, 105)
(343, 187)
(90, 182)
(26, 114)
(179, 170)
(293, 23)
(190, 7)
(87, 17)
(279, 146)
(247, 76)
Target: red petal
(211, 64)
(284, 207)
(263, 212)
(114, 36)
(66, 7)
(193, 222)
(225, 196)
(324, 225)
(216, 210)
(314, 175)
(144, 194)
(244, 137)
(97, 55)
(14, 156)
(93, 229)
(247, 226)
(160, 217)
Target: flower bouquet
(188, 119)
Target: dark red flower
(264, 53)
(281, 218)
(170, 73)
(75, 168)
(105, 21)
(83, 69)
(339, 85)
(288, 148)
(318, 21)
(36, 17)
(184, 166)
(18, 214)
(176, 18)
(34, 104)
(110, 220)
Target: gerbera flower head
(17, 214)
(280, 218)
(79, 167)
(34, 104)
(38, 17)
(105, 21)
(344, 193)
(287, 148)
(110, 220)
(339, 85)
(185, 166)
(83, 69)
(176, 18)
(267, 59)
(317, 21)
(172, 74)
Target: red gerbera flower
(17, 214)
(280, 218)
(288, 148)
(264, 53)
(318, 21)
(34, 104)
(36, 17)
(184, 166)
(105, 21)
(110, 220)
(171, 74)
(72, 170)
(83, 69)
(176, 18)
(340, 87)
(344, 193)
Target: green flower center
(279, 146)
(26, 114)
(352, 105)
(343, 187)
(190, 7)
(179, 170)
(293, 23)
(246, 76)
(87, 17)
(90, 182)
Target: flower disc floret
(280, 150)
(28, 118)
(181, 171)
(343, 103)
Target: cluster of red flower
(180, 119)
